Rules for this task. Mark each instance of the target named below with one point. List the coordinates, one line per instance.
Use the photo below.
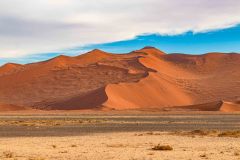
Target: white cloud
(28, 26)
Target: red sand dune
(143, 79)
(212, 106)
(9, 107)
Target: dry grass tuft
(54, 146)
(211, 133)
(63, 151)
(50, 122)
(203, 156)
(162, 148)
(236, 153)
(235, 134)
(36, 158)
(151, 153)
(8, 154)
(199, 132)
(116, 145)
(204, 133)
(148, 134)
(73, 145)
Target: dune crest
(150, 51)
(9, 67)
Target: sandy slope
(230, 106)
(155, 91)
(158, 90)
(147, 78)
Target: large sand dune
(143, 79)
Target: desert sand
(120, 137)
(143, 79)
(120, 146)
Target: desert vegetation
(162, 148)
(50, 122)
(212, 133)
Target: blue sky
(32, 31)
(223, 40)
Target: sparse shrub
(36, 158)
(63, 151)
(162, 147)
(149, 133)
(199, 132)
(8, 154)
(54, 146)
(73, 145)
(236, 153)
(116, 145)
(235, 134)
(151, 153)
(203, 155)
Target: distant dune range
(143, 79)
